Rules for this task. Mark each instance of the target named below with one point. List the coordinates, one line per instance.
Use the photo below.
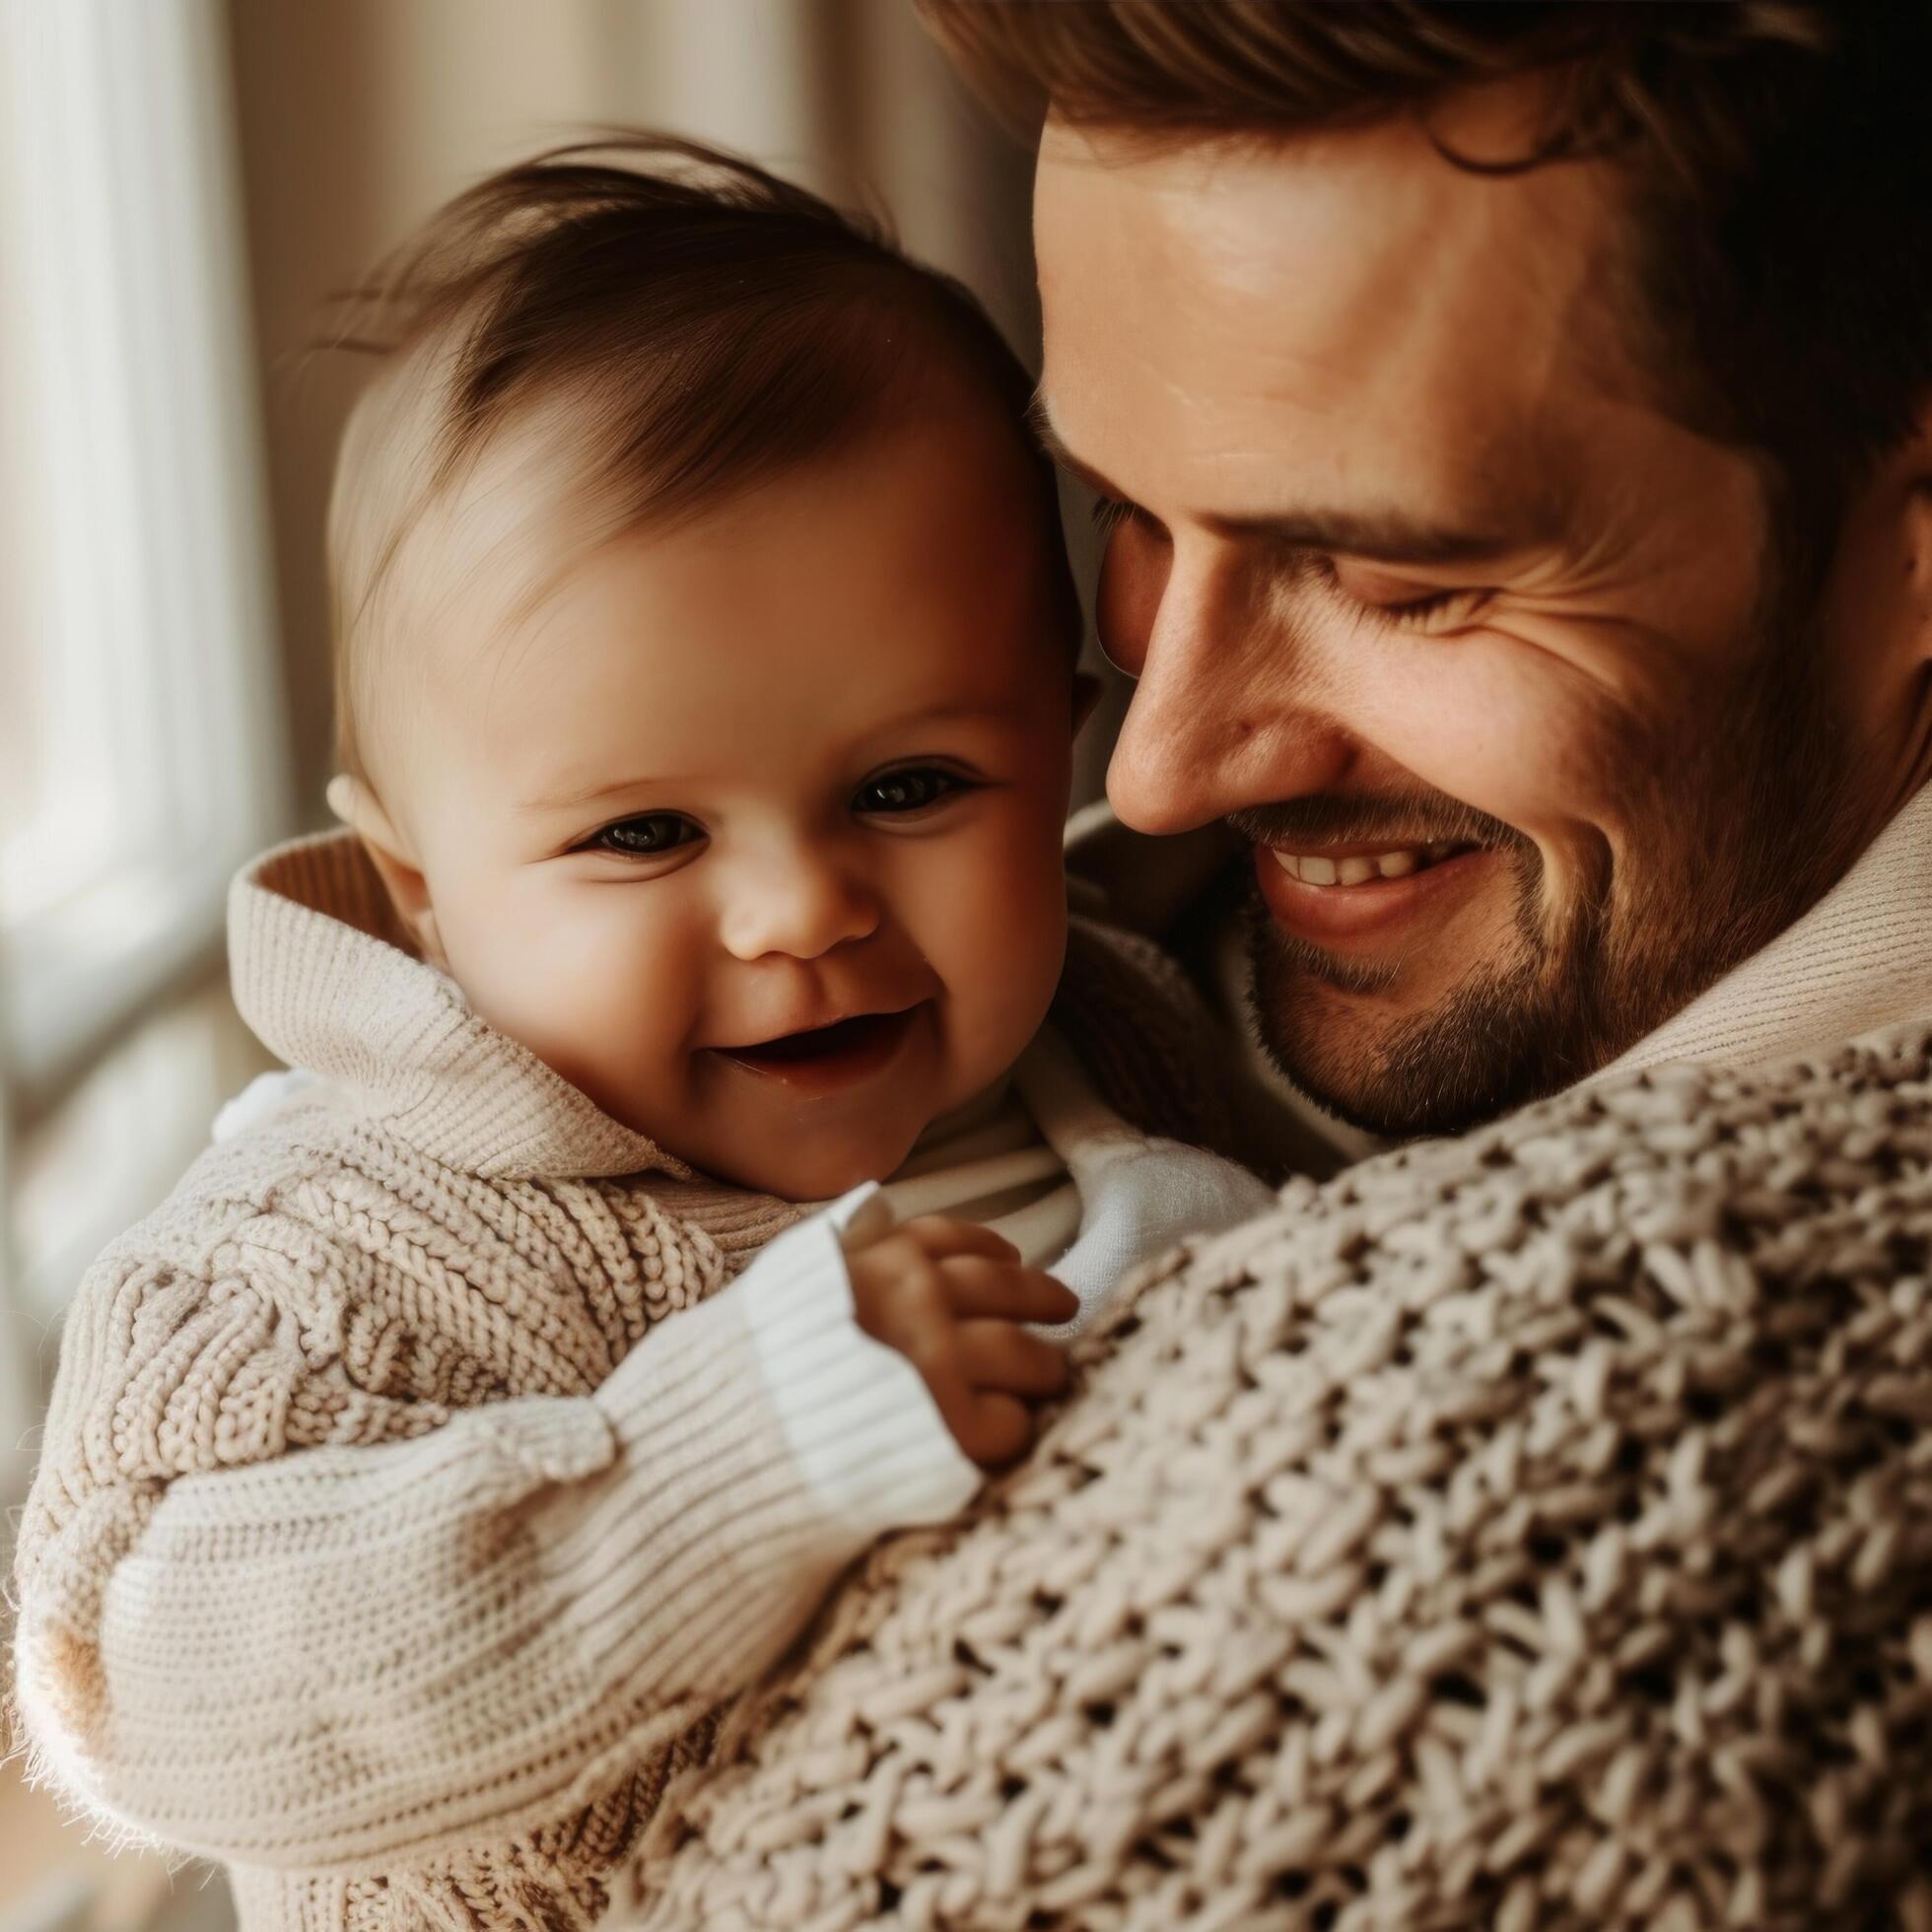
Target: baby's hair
(699, 326)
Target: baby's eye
(911, 788)
(647, 834)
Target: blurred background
(182, 184)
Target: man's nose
(796, 901)
(1219, 718)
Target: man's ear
(402, 878)
(1086, 694)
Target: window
(140, 752)
(138, 731)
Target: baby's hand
(952, 1298)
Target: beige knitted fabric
(432, 1670)
(1528, 1530)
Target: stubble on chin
(1499, 1034)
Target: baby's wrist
(858, 1416)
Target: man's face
(1487, 657)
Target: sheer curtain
(142, 735)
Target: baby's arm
(356, 1655)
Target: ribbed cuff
(863, 1426)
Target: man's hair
(1778, 157)
(687, 324)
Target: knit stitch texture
(1532, 1530)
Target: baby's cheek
(997, 934)
(596, 983)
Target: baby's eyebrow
(587, 795)
(942, 713)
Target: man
(1550, 642)
(1514, 434)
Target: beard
(1742, 821)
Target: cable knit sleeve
(371, 1649)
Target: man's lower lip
(1325, 915)
(872, 1049)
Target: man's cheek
(1489, 733)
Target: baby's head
(705, 658)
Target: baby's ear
(1086, 694)
(359, 808)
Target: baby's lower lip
(827, 1059)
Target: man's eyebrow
(1058, 453)
(1379, 539)
(1390, 539)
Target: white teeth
(1358, 871)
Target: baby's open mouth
(825, 1056)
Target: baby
(695, 1073)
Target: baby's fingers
(993, 1429)
(978, 1288)
(1000, 1356)
(940, 1236)
(983, 1380)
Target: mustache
(1404, 818)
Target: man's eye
(647, 834)
(1400, 603)
(911, 789)
(1440, 611)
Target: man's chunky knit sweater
(1528, 1530)
(434, 1669)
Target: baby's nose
(801, 907)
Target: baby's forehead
(544, 494)
(896, 579)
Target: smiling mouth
(822, 1058)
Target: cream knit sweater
(433, 1668)
(1528, 1530)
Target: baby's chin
(821, 1168)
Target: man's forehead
(1342, 303)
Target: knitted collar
(323, 974)
(1860, 960)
